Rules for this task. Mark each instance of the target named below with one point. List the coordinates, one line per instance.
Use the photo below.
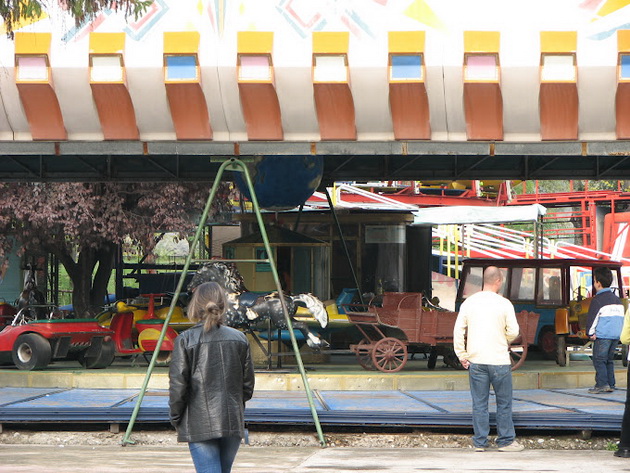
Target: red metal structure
(584, 217)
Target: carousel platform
(546, 395)
(535, 409)
(336, 372)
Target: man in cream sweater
(485, 326)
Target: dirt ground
(289, 437)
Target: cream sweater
(485, 325)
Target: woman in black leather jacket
(211, 378)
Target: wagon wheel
(518, 353)
(389, 355)
(363, 351)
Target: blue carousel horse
(246, 308)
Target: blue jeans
(603, 355)
(214, 456)
(481, 377)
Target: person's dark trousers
(603, 354)
(624, 441)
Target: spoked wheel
(363, 352)
(518, 353)
(389, 355)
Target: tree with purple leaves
(82, 224)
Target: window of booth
(481, 67)
(624, 66)
(330, 68)
(181, 68)
(406, 67)
(558, 68)
(254, 67)
(106, 68)
(32, 68)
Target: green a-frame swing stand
(237, 165)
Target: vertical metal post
(345, 246)
(233, 165)
(118, 265)
(536, 240)
(297, 220)
(457, 242)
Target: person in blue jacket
(604, 323)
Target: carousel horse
(246, 308)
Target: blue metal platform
(533, 408)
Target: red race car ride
(33, 344)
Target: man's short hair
(492, 274)
(604, 275)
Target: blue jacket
(605, 315)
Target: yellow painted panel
(328, 42)
(181, 42)
(32, 43)
(482, 41)
(623, 40)
(406, 41)
(558, 41)
(611, 6)
(107, 43)
(255, 42)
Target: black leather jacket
(211, 378)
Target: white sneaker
(513, 447)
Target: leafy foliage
(83, 223)
(13, 11)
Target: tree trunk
(82, 282)
(88, 287)
(105, 258)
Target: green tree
(14, 11)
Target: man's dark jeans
(603, 355)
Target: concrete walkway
(155, 459)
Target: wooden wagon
(404, 322)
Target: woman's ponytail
(207, 305)
(214, 315)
